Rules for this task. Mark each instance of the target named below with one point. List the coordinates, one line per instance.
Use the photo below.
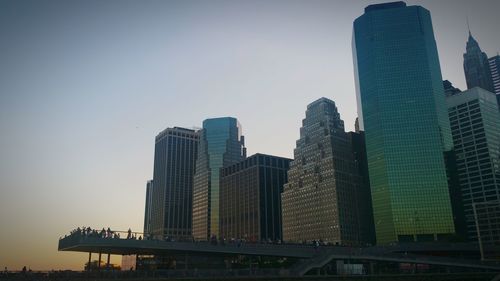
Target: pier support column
(88, 264)
(99, 262)
(107, 263)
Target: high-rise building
(357, 141)
(476, 66)
(174, 165)
(250, 198)
(147, 207)
(474, 121)
(494, 63)
(221, 145)
(403, 113)
(322, 198)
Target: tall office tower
(476, 66)
(474, 119)
(402, 110)
(250, 198)
(174, 165)
(221, 145)
(495, 75)
(322, 200)
(357, 141)
(147, 207)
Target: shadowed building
(475, 127)
(322, 199)
(367, 229)
(221, 145)
(147, 207)
(495, 75)
(174, 165)
(476, 66)
(403, 113)
(250, 198)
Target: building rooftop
(384, 6)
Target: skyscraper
(221, 144)
(494, 63)
(476, 66)
(147, 207)
(474, 121)
(174, 164)
(250, 198)
(322, 198)
(402, 110)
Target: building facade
(402, 110)
(475, 127)
(358, 145)
(176, 150)
(147, 208)
(321, 200)
(476, 66)
(250, 198)
(221, 144)
(494, 63)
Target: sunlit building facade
(221, 144)
(474, 118)
(402, 110)
(174, 165)
(250, 198)
(322, 199)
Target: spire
(468, 26)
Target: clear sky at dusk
(85, 86)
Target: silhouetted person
(129, 233)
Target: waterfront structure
(147, 208)
(221, 144)
(474, 116)
(494, 63)
(250, 198)
(174, 165)
(476, 66)
(403, 113)
(322, 200)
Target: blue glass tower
(221, 145)
(402, 110)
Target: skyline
(66, 130)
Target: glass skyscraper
(402, 110)
(221, 145)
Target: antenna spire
(468, 26)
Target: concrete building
(494, 63)
(475, 127)
(221, 144)
(322, 200)
(250, 198)
(402, 110)
(176, 150)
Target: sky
(85, 86)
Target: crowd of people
(104, 233)
(108, 233)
